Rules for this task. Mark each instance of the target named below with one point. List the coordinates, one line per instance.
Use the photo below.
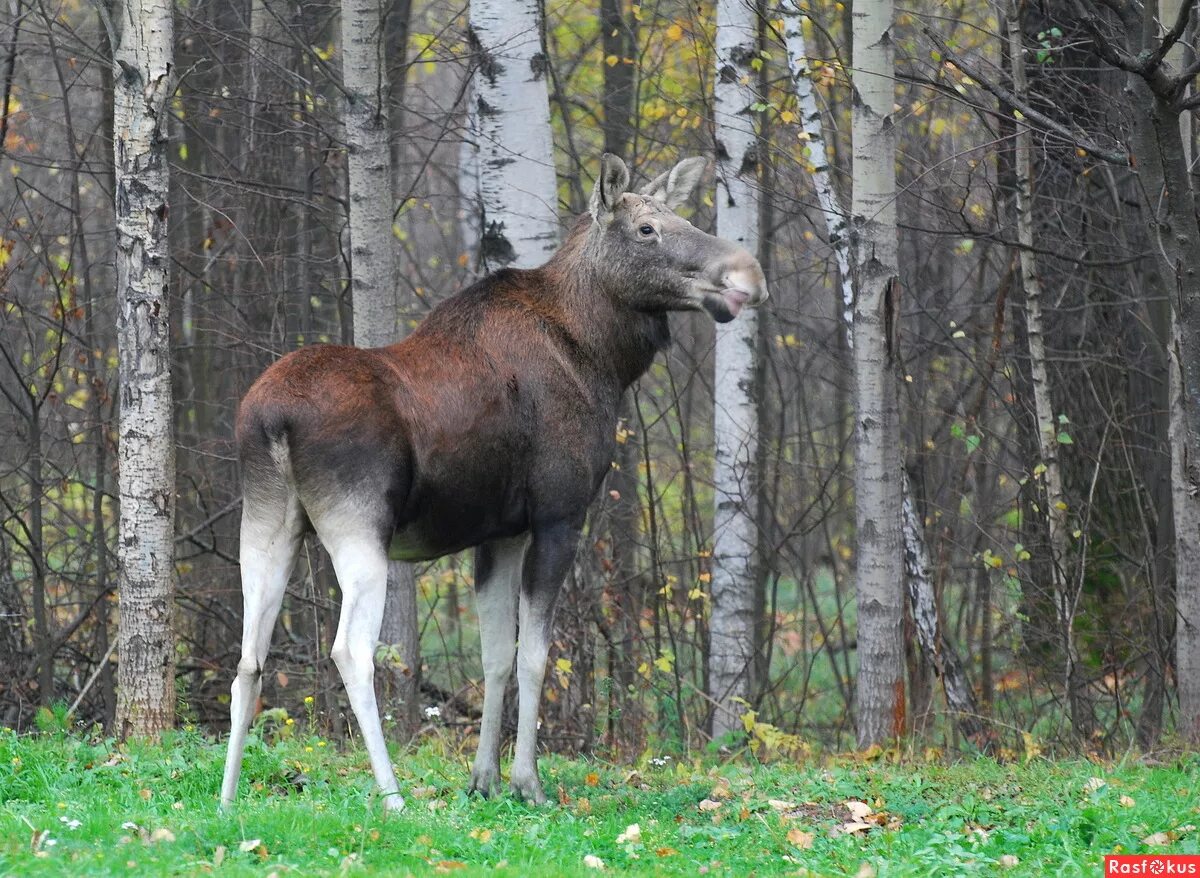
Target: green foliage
(91, 806)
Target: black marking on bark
(540, 65)
(489, 67)
(727, 73)
(749, 166)
(891, 317)
(485, 109)
(494, 247)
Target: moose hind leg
(360, 562)
(498, 581)
(546, 564)
(271, 531)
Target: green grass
(934, 819)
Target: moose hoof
(485, 781)
(528, 787)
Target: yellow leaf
(937, 127)
(787, 117)
(563, 665)
(674, 33)
(800, 838)
(611, 60)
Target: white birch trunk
(735, 408)
(880, 699)
(941, 654)
(1185, 499)
(1186, 509)
(1056, 507)
(143, 83)
(517, 184)
(373, 283)
(372, 255)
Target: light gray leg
(270, 541)
(550, 555)
(360, 562)
(498, 581)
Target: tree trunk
(735, 411)
(938, 650)
(517, 183)
(377, 306)
(1054, 502)
(880, 586)
(143, 83)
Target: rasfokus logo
(1152, 864)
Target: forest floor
(70, 805)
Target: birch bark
(1055, 504)
(517, 184)
(735, 406)
(880, 701)
(941, 654)
(143, 83)
(373, 282)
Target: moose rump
(490, 426)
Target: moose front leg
(497, 584)
(546, 564)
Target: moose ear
(674, 187)
(610, 185)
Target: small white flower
(50, 842)
(433, 712)
(387, 717)
(71, 822)
(660, 761)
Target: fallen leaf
(858, 810)
(1008, 861)
(249, 845)
(709, 805)
(866, 870)
(855, 826)
(631, 835)
(1158, 839)
(444, 866)
(1094, 783)
(665, 852)
(218, 856)
(145, 794)
(422, 792)
(1127, 802)
(780, 805)
(593, 862)
(800, 838)
(592, 779)
(162, 834)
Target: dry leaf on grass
(801, 839)
(631, 835)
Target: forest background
(1035, 330)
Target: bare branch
(1036, 118)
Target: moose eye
(646, 230)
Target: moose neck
(621, 341)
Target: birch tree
(143, 83)
(511, 109)
(1048, 469)
(373, 282)
(880, 702)
(735, 407)
(941, 654)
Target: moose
(491, 426)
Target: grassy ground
(70, 806)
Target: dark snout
(740, 283)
